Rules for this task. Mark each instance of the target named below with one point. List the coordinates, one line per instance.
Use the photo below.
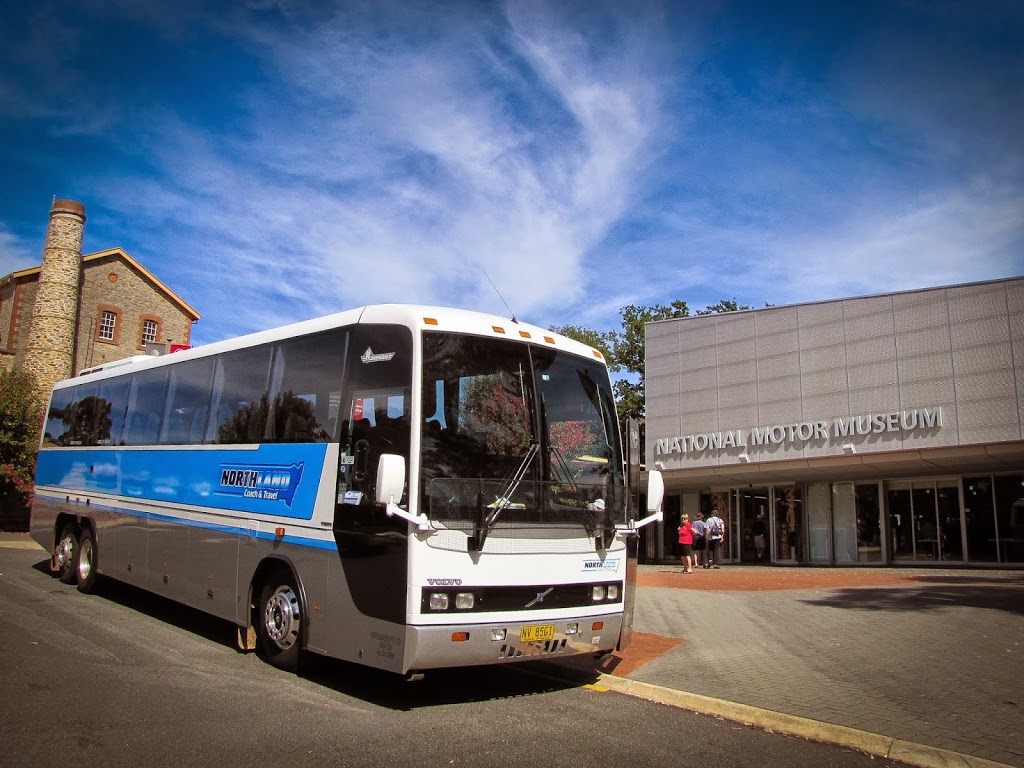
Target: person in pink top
(686, 541)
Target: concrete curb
(907, 752)
(20, 545)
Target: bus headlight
(464, 601)
(572, 628)
(598, 593)
(439, 601)
(613, 591)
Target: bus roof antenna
(499, 295)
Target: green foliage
(629, 342)
(725, 305)
(624, 349)
(21, 415)
(603, 342)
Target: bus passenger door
(375, 406)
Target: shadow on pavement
(375, 687)
(440, 687)
(992, 593)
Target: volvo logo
(540, 597)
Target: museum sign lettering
(839, 428)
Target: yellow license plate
(535, 632)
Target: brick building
(121, 306)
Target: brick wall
(112, 284)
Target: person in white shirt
(714, 533)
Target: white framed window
(108, 325)
(149, 331)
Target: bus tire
(85, 562)
(279, 622)
(65, 553)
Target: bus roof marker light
(549, 340)
(497, 329)
(430, 321)
(597, 355)
(525, 334)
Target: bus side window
(60, 418)
(239, 403)
(145, 406)
(305, 380)
(188, 398)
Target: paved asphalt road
(123, 679)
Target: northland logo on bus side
(267, 482)
(369, 357)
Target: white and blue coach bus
(403, 487)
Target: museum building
(878, 430)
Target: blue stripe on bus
(280, 479)
(235, 530)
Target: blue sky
(276, 161)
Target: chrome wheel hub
(281, 618)
(85, 560)
(65, 551)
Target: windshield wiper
(489, 514)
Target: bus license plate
(535, 632)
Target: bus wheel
(280, 623)
(85, 561)
(65, 552)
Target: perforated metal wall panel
(871, 374)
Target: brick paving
(934, 657)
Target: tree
(625, 351)
(21, 415)
(603, 342)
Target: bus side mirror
(390, 478)
(655, 490)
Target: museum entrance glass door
(924, 520)
(751, 533)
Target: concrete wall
(959, 349)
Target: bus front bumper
(456, 645)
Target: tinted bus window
(306, 388)
(112, 402)
(188, 400)
(57, 417)
(145, 407)
(71, 419)
(240, 405)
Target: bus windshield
(517, 435)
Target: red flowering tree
(20, 418)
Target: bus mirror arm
(420, 521)
(635, 526)
(391, 485)
(655, 497)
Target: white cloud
(405, 173)
(16, 253)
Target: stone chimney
(50, 350)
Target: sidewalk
(921, 665)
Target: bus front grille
(547, 648)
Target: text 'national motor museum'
(873, 430)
